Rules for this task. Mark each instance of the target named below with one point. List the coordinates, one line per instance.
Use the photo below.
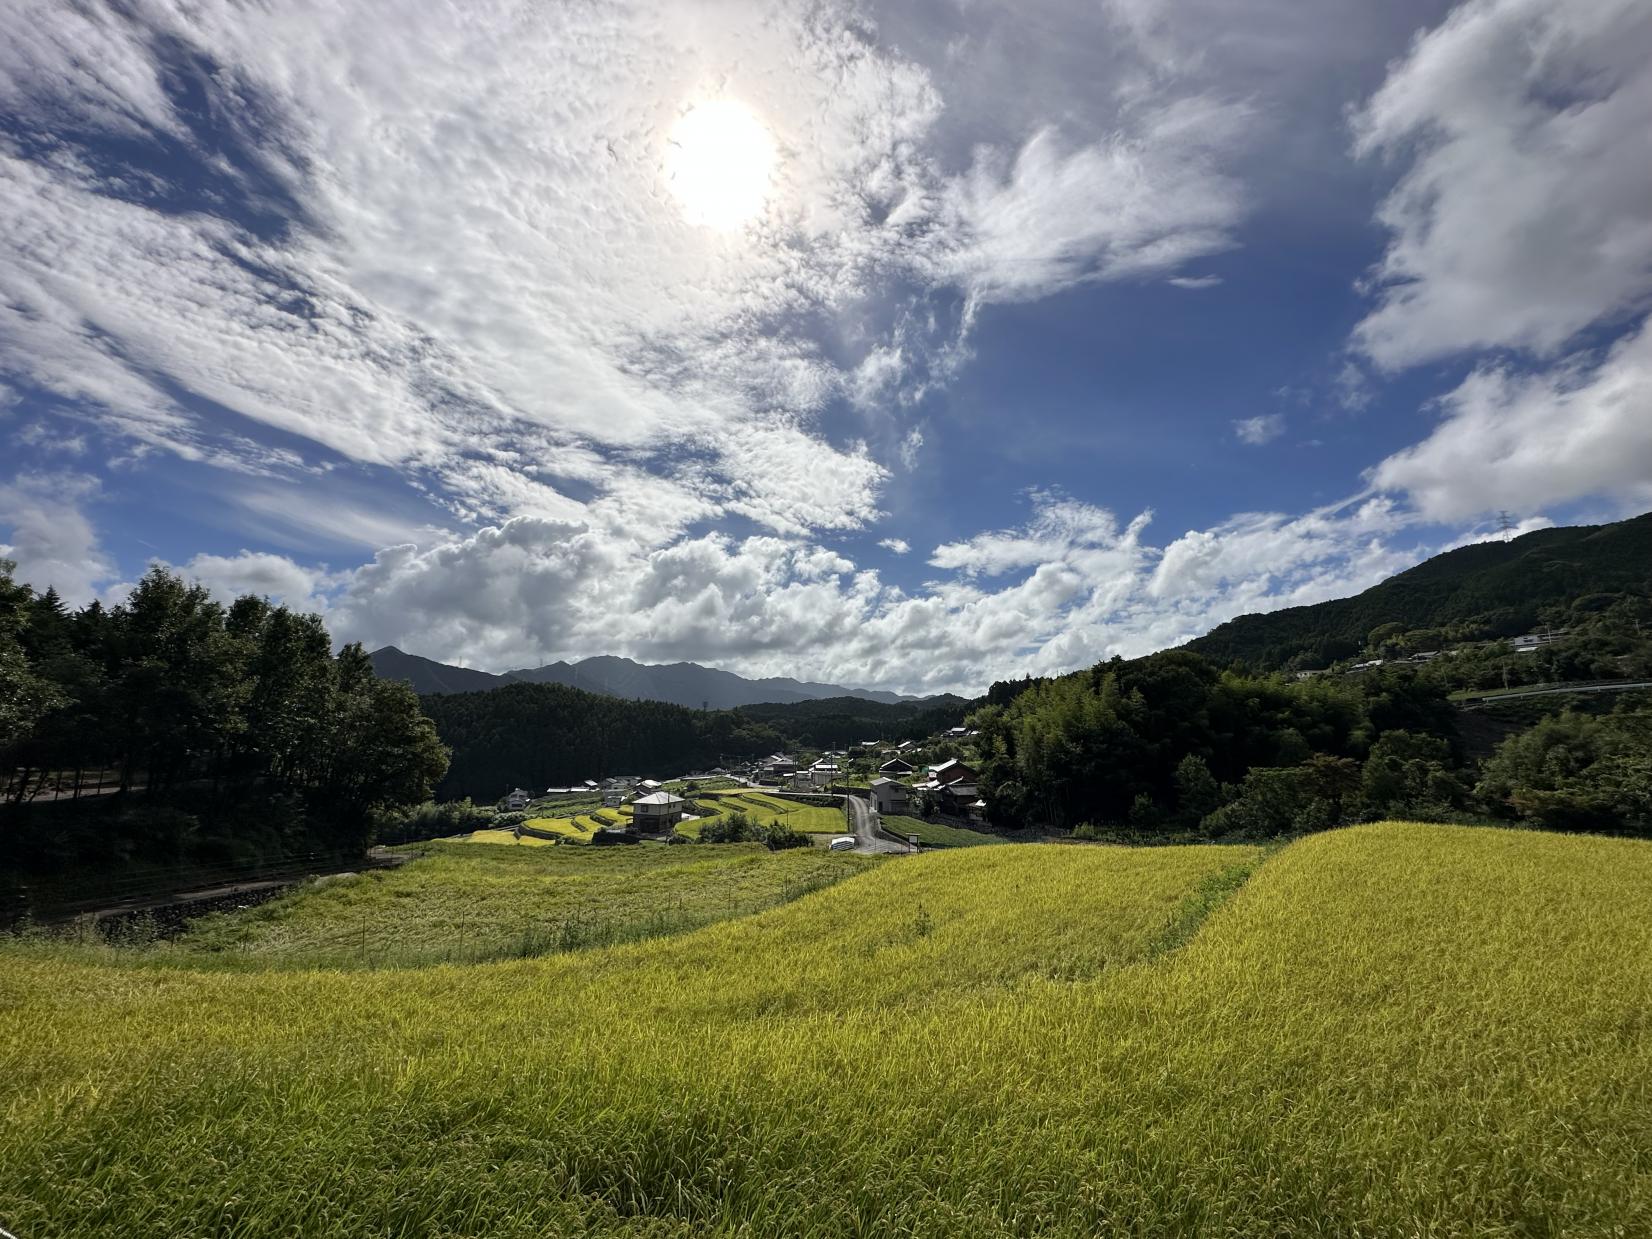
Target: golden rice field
(462, 902)
(1388, 1030)
(810, 819)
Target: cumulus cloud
(895, 546)
(1264, 428)
(263, 574)
(1070, 586)
(1520, 217)
(1529, 441)
(50, 537)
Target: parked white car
(843, 843)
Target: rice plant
(1385, 1030)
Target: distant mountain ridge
(1500, 584)
(684, 684)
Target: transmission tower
(1505, 525)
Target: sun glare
(718, 162)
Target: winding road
(864, 820)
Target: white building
(657, 812)
(890, 796)
(1534, 641)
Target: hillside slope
(1389, 1030)
(1503, 583)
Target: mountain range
(1498, 587)
(684, 684)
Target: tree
(1197, 792)
(1575, 772)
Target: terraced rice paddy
(937, 834)
(465, 902)
(810, 819)
(1387, 1030)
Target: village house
(777, 767)
(518, 800)
(890, 796)
(824, 772)
(657, 813)
(954, 786)
(1534, 641)
(952, 771)
(895, 766)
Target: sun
(719, 159)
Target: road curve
(864, 821)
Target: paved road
(864, 820)
(1493, 698)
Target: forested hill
(539, 735)
(1491, 589)
(547, 735)
(839, 722)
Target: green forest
(1491, 589)
(1173, 746)
(172, 730)
(546, 735)
(539, 735)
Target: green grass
(935, 834)
(1390, 1030)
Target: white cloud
(895, 546)
(1521, 216)
(1194, 281)
(1496, 533)
(1074, 586)
(268, 576)
(1264, 428)
(911, 447)
(50, 537)
(1062, 529)
(418, 238)
(1132, 206)
(1530, 441)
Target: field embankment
(1386, 1030)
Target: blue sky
(902, 346)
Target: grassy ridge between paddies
(937, 834)
(467, 903)
(1387, 1030)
